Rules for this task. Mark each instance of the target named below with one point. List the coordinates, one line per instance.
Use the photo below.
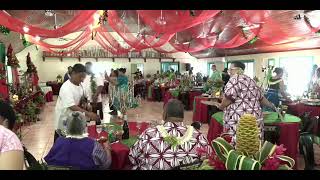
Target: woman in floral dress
(241, 96)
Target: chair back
(306, 148)
(271, 133)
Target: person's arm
(67, 100)
(12, 160)
(264, 101)
(100, 85)
(102, 155)
(225, 103)
(283, 92)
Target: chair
(308, 136)
(271, 133)
(31, 162)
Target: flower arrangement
(247, 155)
(93, 85)
(173, 140)
(31, 68)
(59, 79)
(4, 30)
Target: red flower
(271, 164)
(279, 150)
(216, 163)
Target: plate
(313, 100)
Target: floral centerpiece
(59, 79)
(248, 153)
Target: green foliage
(4, 30)
(25, 42)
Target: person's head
(89, 67)
(78, 74)
(278, 71)
(237, 67)
(76, 124)
(318, 72)
(7, 115)
(173, 111)
(158, 72)
(69, 69)
(225, 70)
(213, 67)
(122, 71)
(114, 73)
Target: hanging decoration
(25, 42)
(4, 30)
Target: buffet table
(298, 109)
(200, 110)
(187, 102)
(120, 151)
(48, 94)
(289, 130)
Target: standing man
(69, 100)
(93, 85)
(68, 74)
(216, 75)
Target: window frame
(170, 63)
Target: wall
(261, 60)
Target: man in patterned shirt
(167, 146)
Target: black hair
(225, 70)
(79, 68)
(123, 70)
(7, 112)
(88, 63)
(70, 67)
(278, 70)
(239, 64)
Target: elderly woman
(78, 151)
(241, 96)
(11, 151)
(158, 149)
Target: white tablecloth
(46, 89)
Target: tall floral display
(32, 72)
(4, 93)
(14, 63)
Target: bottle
(125, 129)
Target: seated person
(78, 151)
(11, 151)
(155, 150)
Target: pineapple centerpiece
(248, 154)
(247, 141)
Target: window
(249, 70)
(271, 62)
(296, 73)
(166, 66)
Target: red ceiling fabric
(175, 20)
(83, 19)
(83, 35)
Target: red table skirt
(119, 152)
(192, 95)
(49, 96)
(55, 87)
(289, 136)
(200, 113)
(298, 109)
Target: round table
(299, 108)
(119, 151)
(200, 110)
(289, 130)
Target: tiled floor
(38, 137)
